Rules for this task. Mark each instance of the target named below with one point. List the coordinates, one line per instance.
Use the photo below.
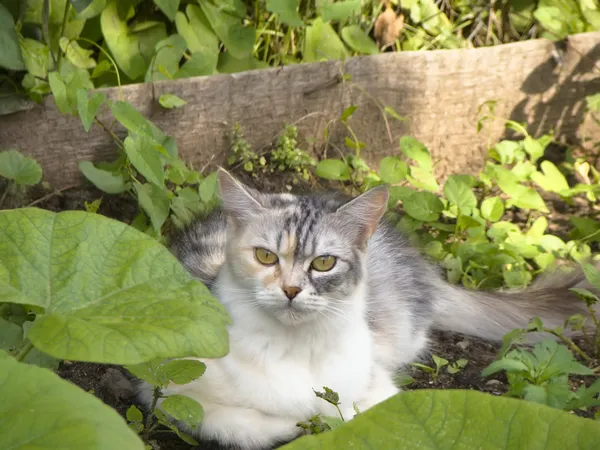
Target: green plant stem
(4, 196)
(148, 423)
(112, 61)
(116, 138)
(570, 343)
(62, 30)
(23, 352)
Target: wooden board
(540, 82)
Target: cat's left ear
(366, 210)
(239, 201)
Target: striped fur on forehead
(300, 216)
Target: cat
(322, 291)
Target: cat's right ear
(238, 200)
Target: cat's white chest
(278, 374)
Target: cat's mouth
(293, 313)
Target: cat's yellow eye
(323, 263)
(265, 257)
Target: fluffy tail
(490, 315)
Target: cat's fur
(348, 329)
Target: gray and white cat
(323, 292)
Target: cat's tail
(490, 315)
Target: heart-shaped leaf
(108, 292)
(322, 42)
(10, 56)
(16, 166)
(58, 413)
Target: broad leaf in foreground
(41, 410)
(108, 293)
(458, 419)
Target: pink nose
(291, 291)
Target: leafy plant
(19, 172)
(438, 361)
(76, 286)
(449, 418)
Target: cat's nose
(291, 291)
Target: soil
(113, 385)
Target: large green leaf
(238, 39)
(169, 7)
(10, 56)
(322, 42)
(423, 206)
(359, 40)
(287, 11)
(165, 63)
(132, 49)
(458, 419)
(41, 410)
(197, 32)
(108, 292)
(459, 192)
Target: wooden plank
(540, 82)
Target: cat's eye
(323, 263)
(265, 256)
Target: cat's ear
(365, 210)
(238, 200)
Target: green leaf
(155, 201)
(238, 39)
(59, 91)
(50, 420)
(358, 40)
(145, 158)
(459, 192)
(182, 371)
(287, 10)
(132, 50)
(197, 32)
(170, 101)
(585, 228)
(593, 102)
(78, 56)
(322, 42)
(110, 182)
(535, 147)
(209, 188)
(229, 64)
(36, 57)
(109, 293)
(165, 63)
(183, 408)
(443, 419)
(552, 180)
(423, 206)
(492, 209)
(392, 170)
(198, 65)
(416, 151)
(333, 169)
(506, 152)
(168, 7)
(339, 10)
(592, 274)
(11, 335)
(19, 168)
(348, 112)
(134, 414)
(88, 107)
(93, 9)
(135, 122)
(423, 178)
(10, 56)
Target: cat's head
(298, 257)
